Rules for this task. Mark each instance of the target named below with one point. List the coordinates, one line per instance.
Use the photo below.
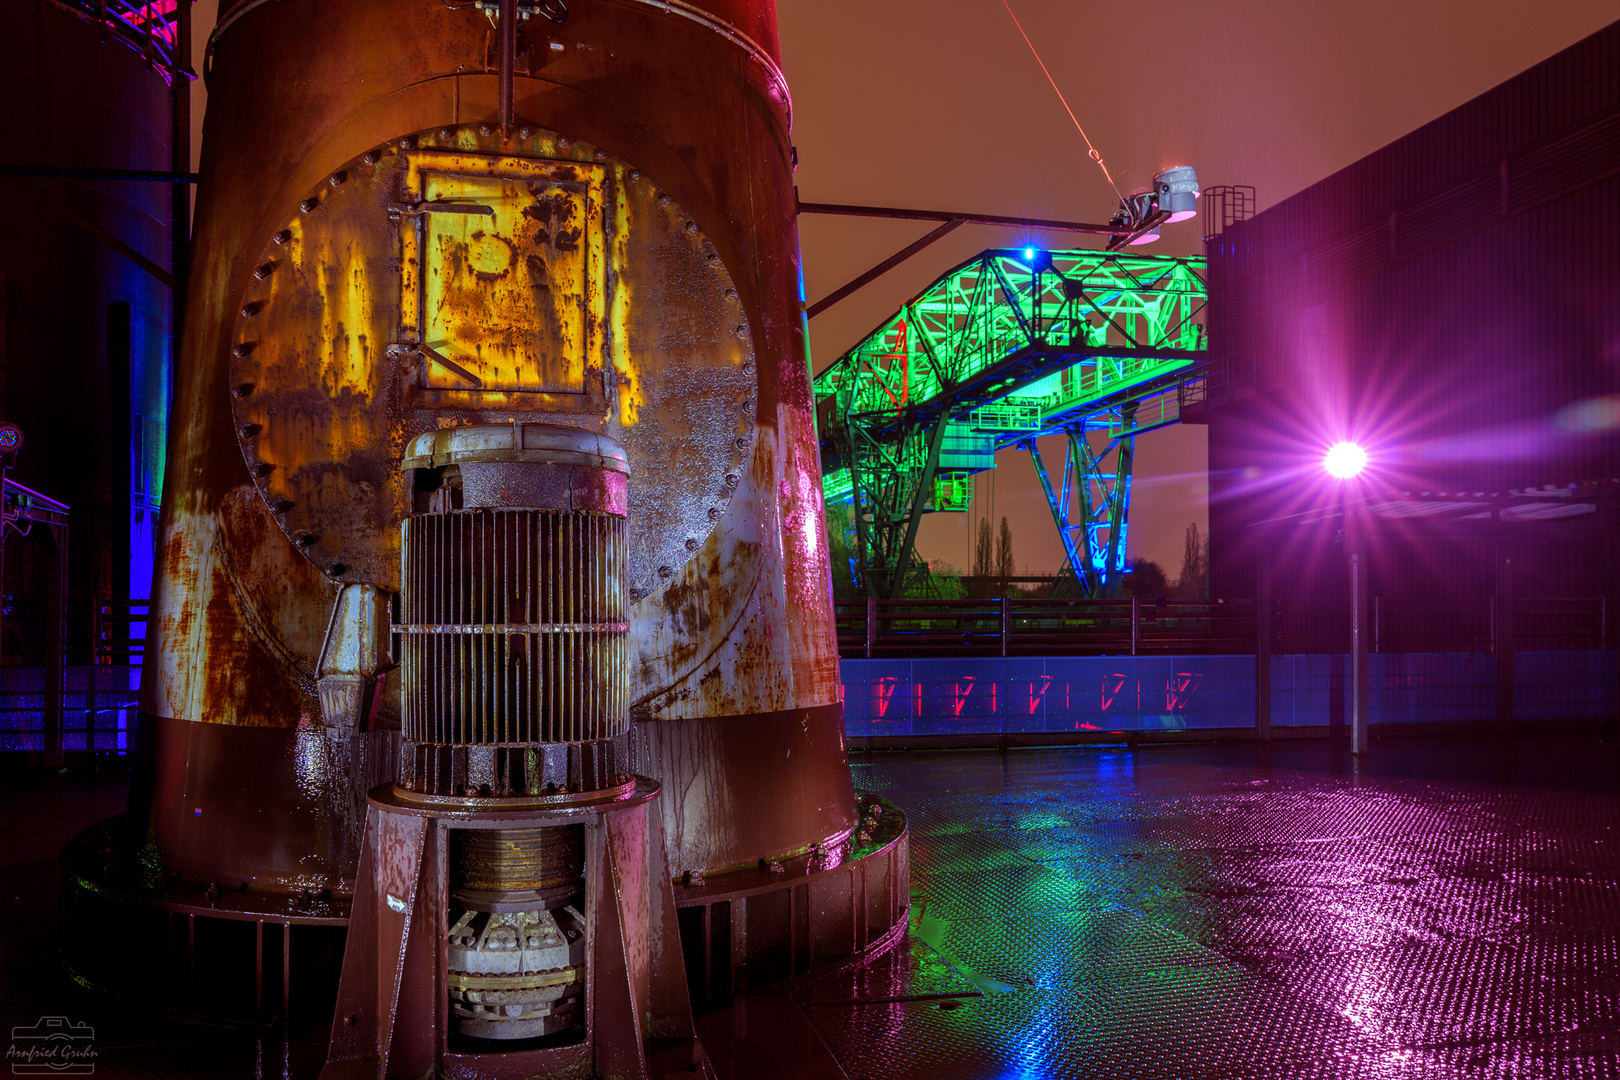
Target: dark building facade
(84, 327)
(1451, 302)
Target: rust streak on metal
(635, 274)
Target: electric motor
(514, 629)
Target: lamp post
(1345, 461)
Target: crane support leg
(1091, 508)
(891, 485)
(1058, 503)
(919, 497)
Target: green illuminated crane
(1006, 347)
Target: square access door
(502, 282)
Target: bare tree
(982, 551)
(1194, 581)
(1004, 556)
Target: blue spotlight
(1038, 259)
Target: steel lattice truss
(1006, 347)
(1090, 507)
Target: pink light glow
(1344, 460)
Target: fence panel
(1080, 627)
(93, 708)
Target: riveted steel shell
(733, 664)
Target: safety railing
(1025, 627)
(118, 631)
(1038, 627)
(148, 29)
(68, 685)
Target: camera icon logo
(54, 1046)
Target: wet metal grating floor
(1443, 909)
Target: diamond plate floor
(1445, 909)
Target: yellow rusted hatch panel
(508, 295)
(399, 296)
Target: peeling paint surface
(513, 298)
(650, 183)
(585, 294)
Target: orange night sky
(938, 104)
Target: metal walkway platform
(1441, 909)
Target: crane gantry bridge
(1009, 346)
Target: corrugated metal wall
(1453, 301)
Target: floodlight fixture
(1136, 210)
(1177, 192)
(1172, 198)
(1146, 237)
(1344, 460)
(1038, 259)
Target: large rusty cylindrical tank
(381, 252)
